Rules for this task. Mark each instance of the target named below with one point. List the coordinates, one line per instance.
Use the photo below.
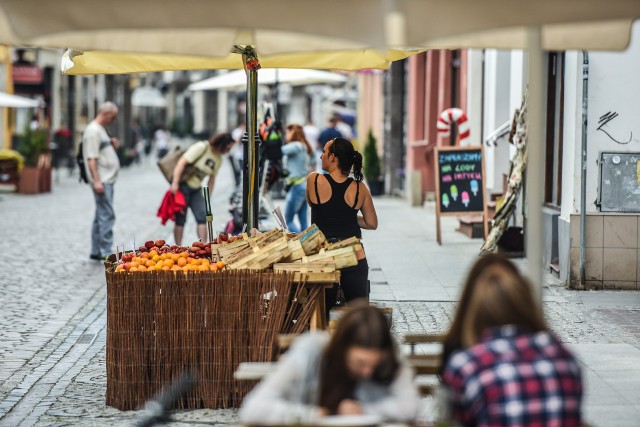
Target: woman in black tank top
(336, 200)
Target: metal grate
(85, 338)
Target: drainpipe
(583, 164)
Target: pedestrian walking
(102, 164)
(202, 159)
(356, 370)
(297, 152)
(330, 132)
(162, 139)
(502, 364)
(336, 199)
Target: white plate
(350, 420)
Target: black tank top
(335, 218)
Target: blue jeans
(105, 217)
(296, 205)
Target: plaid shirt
(513, 378)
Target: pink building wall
(429, 93)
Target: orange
(164, 256)
(203, 268)
(182, 261)
(220, 265)
(156, 258)
(134, 264)
(184, 254)
(153, 253)
(213, 267)
(133, 269)
(165, 268)
(120, 268)
(169, 263)
(149, 263)
(144, 255)
(175, 257)
(175, 268)
(142, 268)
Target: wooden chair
(424, 365)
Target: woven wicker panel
(161, 324)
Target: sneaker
(98, 257)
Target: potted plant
(372, 168)
(33, 143)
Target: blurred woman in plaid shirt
(502, 365)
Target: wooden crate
(312, 272)
(253, 245)
(297, 252)
(312, 240)
(342, 257)
(261, 258)
(351, 241)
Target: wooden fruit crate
(351, 241)
(261, 258)
(249, 246)
(312, 240)
(312, 272)
(341, 257)
(297, 252)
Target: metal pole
(583, 167)
(207, 208)
(535, 165)
(251, 194)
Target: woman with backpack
(202, 159)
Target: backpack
(81, 166)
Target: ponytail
(349, 160)
(357, 166)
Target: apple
(149, 244)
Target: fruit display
(157, 256)
(274, 249)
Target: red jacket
(171, 205)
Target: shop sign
(27, 74)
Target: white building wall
(497, 110)
(474, 95)
(612, 85)
(614, 81)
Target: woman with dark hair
(336, 200)
(502, 365)
(204, 159)
(354, 371)
(297, 153)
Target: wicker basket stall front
(164, 323)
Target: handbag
(168, 163)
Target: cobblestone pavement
(53, 318)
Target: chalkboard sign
(619, 189)
(460, 184)
(460, 180)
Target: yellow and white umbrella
(209, 28)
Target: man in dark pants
(101, 160)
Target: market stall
(207, 308)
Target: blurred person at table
(336, 201)
(102, 165)
(297, 153)
(356, 370)
(205, 159)
(502, 365)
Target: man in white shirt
(102, 163)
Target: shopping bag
(169, 162)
